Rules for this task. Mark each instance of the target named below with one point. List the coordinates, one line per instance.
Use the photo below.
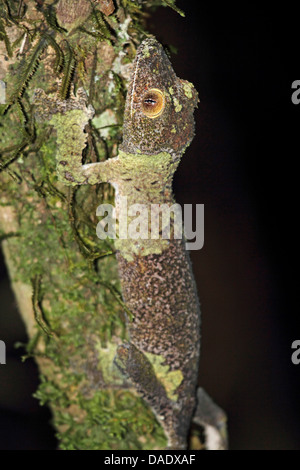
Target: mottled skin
(173, 130)
(159, 289)
(161, 358)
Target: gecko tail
(214, 421)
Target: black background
(242, 165)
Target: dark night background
(242, 167)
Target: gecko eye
(153, 103)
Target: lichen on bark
(65, 279)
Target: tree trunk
(64, 278)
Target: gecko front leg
(69, 118)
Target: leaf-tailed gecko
(162, 356)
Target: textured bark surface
(64, 278)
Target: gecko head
(159, 106)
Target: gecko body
(156, 277)
(162, 356)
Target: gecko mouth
(153, 103)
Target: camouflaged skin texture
(160, 292)
(159, 288)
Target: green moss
(113, 420)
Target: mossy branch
(65, 280)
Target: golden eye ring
(153, 103)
